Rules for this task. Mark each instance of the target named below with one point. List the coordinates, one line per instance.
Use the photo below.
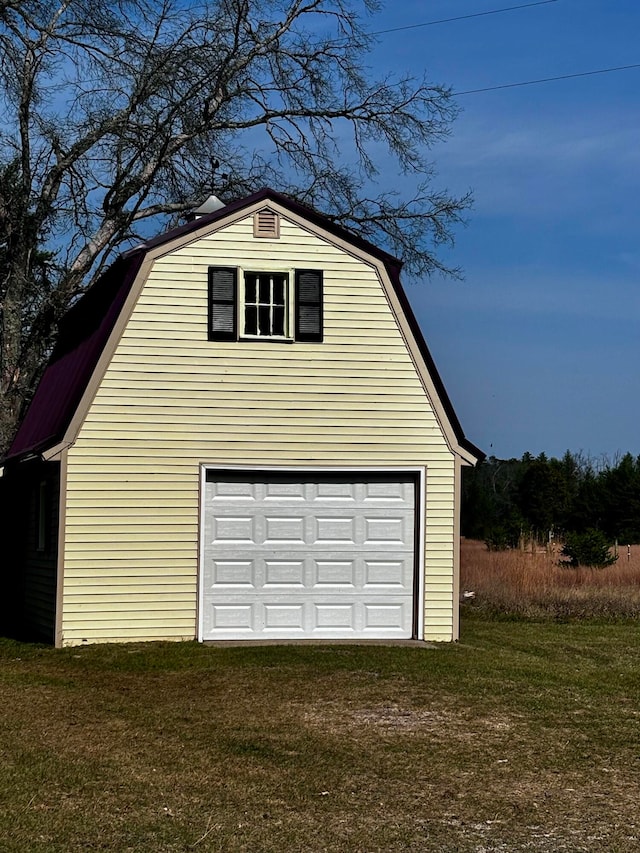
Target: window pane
(264, 327)
(265, 289)
(278, 320)
(250, 288)
(250, 320)
(278, 290)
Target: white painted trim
(420, 521)
(456, 549)
(200, 585)
(421, 558)
(289, 320)
(60, 567)
(54, 454)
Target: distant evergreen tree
(502, 498)
(489, 505)
(590, 548)
(588, 506)
(545, 494)
(621, 500)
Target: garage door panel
(384, 617)
(323, 556)
(361, 573)
(299, 619)
(284, 573)
(389, 493)
(233, 573)
(226, 618)
(329, 530)
(232, 491)
(234, 529)
(386, 531)
(387, 574)
(284, 491)
(334, 617)
(333, 573)
(326, 492)
(281, 530)
(283, 617)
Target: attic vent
(266, 223)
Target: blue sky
(539, 345)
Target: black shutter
(223, 296)
(309, 305)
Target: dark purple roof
(86, 327)
(84, 331)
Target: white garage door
(323, 556)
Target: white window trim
(289, 318)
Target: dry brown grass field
(534, 584)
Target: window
(263, 304)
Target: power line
(449, 20)
(506, 85)
(461, 17)
(547, 79)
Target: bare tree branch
(114, 114)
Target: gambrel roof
(89, 326)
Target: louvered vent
(266, 223)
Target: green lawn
(523, 736)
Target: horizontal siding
(138, 537)
(134, 445)
(171, 399)
(109, 601)
(178, 417)
(433, 587)
(128, 567)
(280, 400)
(131, 633)
(298, 378)
(125, 587)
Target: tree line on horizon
(537, 497)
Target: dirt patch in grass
(331, 716)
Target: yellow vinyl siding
(171, 399)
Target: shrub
(503, 537)
(497, 539)
(590, 548)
